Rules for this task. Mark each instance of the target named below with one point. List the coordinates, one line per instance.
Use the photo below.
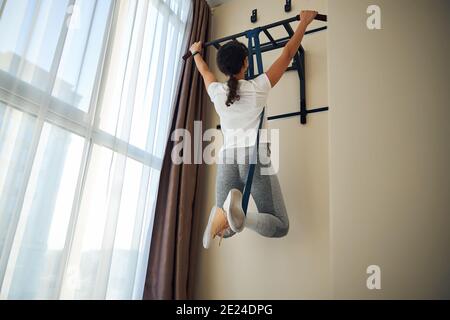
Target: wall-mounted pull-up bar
(255, 48)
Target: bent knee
(282, 231)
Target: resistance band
(251, 170)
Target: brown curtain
(172, 238)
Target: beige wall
(297, 266)
(389, 153)
(389, 148)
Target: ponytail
(232, 91)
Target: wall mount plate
(254, 16)
(288, 6)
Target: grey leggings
(271, 220)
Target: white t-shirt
(240, 121)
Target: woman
(239, 104)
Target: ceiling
(215, 3)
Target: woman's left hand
(196, 47)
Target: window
(86, 94)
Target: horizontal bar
(290, 115)
(281, 22)
(316, 30)
(319, 17)
(290, 68)
(268, 46)
(284, 115)
(296, 114)
(232, 37)
(317, 110)
(217, 41)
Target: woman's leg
(271, 220)
(227, 178)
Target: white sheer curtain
(86, 89)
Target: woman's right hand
(196, 47)
(307, 16)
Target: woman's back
(240, 120)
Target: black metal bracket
(254, 16)
(288, 6)
(256, 49)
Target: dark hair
(230, 60)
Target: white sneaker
(233, 208)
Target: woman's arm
(278, 68)
(208, 76)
